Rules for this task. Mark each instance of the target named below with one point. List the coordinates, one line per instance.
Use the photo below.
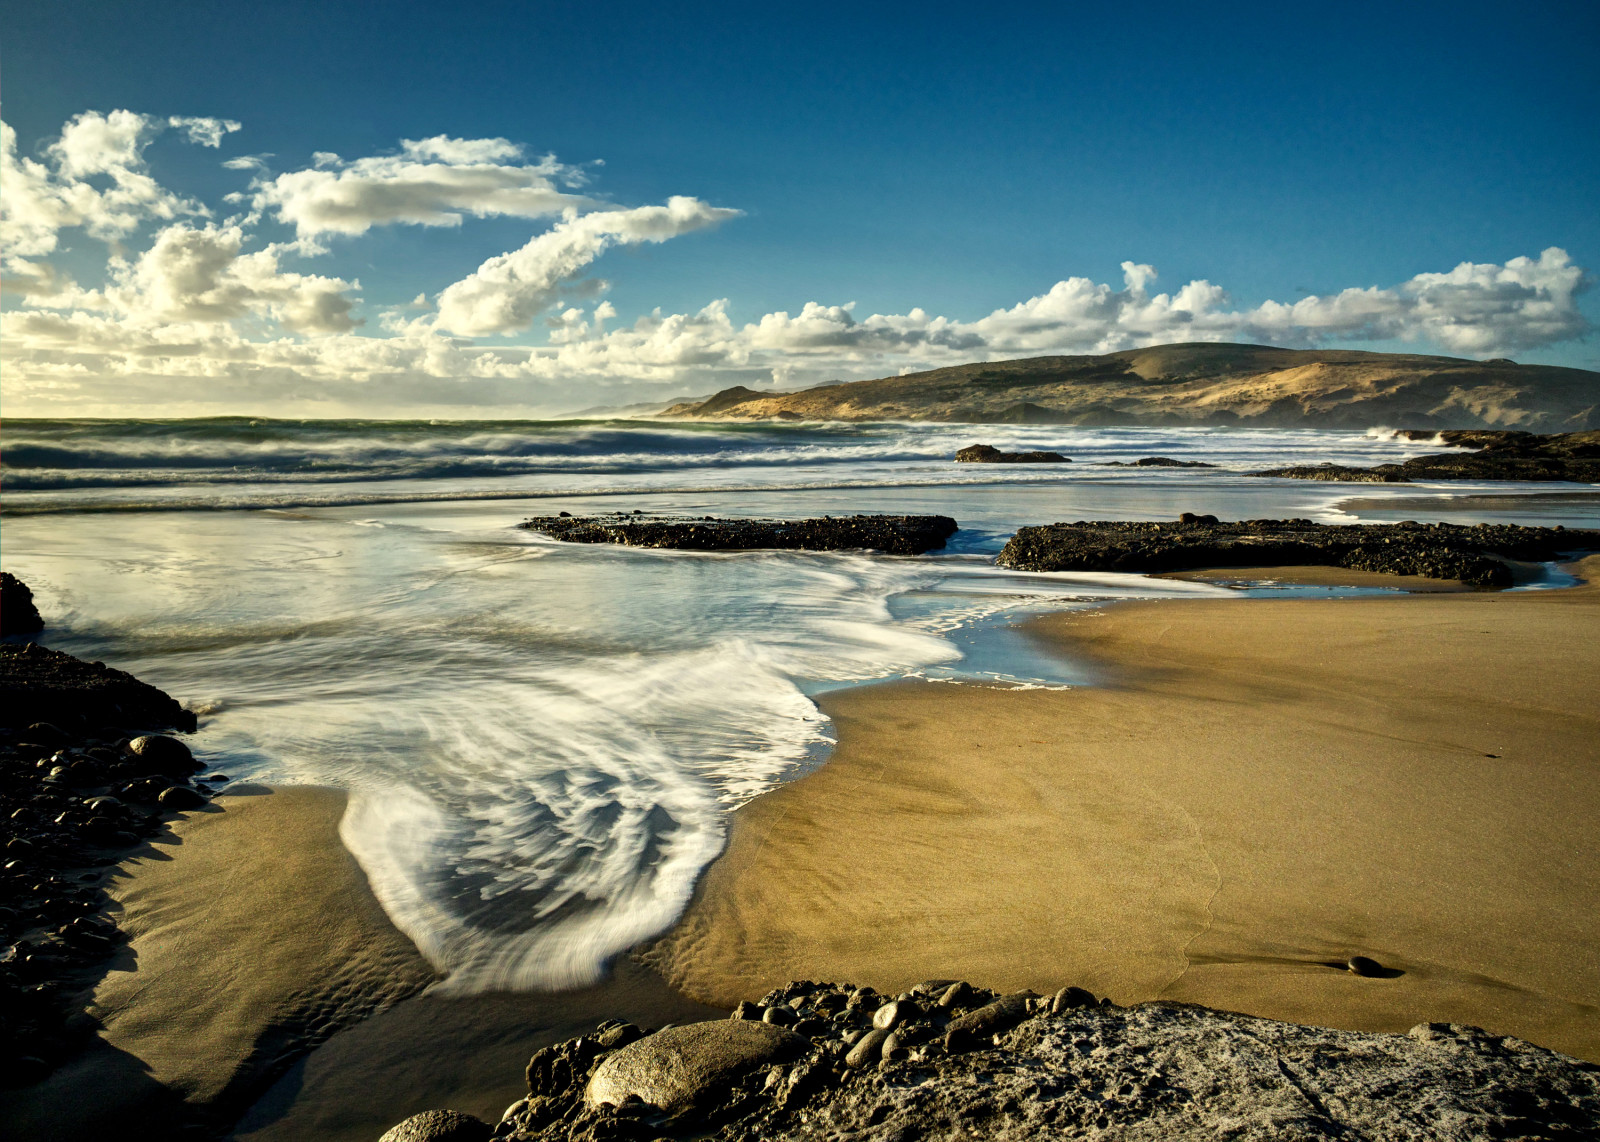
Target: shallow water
(542, 741)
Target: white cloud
(433, 182)
(507, 292)
(183, 297)
(205, 131)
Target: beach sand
(1259, 790)
(253, 935)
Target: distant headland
(1199, 384)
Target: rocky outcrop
(40, 685)
(76, 793)
(1474, 555)
(18, 615)
(1159, 462)
(1200, 383)
(989, 454)
(893, 534)
(948, 1061)
(1573, 456)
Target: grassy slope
(1202, 384)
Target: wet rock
(896, 535)
(1475, 555)
(42, 685)
(180, 799)
(989, 454)
(780, 1015)
(18, 615)
(157, 754)
(1500, 455)
(1158, 462)
(440, 1126)
(679, 1067)
(1364, 966)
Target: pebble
(894, 1013)
(179, 798)
(868, 1049)
(1363, 966)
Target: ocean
(542, 743)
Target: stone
(18, 615)
(989, 454)
(747, 1010)
(957, 995)
(1069, 998)
(894, 535)
(1364, 966)
(680, 1066)
(439, 1126)
(180, 798)
(159, 754)
(780, 1015)
(894, 1013)
(867, 1050)
(1001, 1015)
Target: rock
(780, 1015)
(1502, 455)
(895, 535)
(18, 615)
(1159, 462)
(868, 1049)
(1069, 998)
(989, 454)
(680, 1066)
(39, 685)
(894, 1013)
(1001, 1015)
(747, 1010)
(157, 754)
(1474, 555)
(1363, 966)
(180, 798)
(440, 1126)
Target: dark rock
(989, 454)
(180, 798)
(780, 1015)
(42, 685)
(1474, 555)
(1158, 462)
(159, 755)
(868, 1049)
(747, 1010)
(1501, 455)
(440, 1126)
(1158, 1070)
(680, 1067)
(896, 535)
(18, 615)
(1363, 966)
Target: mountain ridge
(1198, 383)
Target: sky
(408, 209)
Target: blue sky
(930, 167)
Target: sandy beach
(252, 936)
(1258, 790)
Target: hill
(1200, 383)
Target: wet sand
(253, 935)
(1261, 789)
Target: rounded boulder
(159, 754)
(678, 1066)
(440, 1126)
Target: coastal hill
(1200, 383)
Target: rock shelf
(947, 1060)
(892, 534)
(1573, 456)
(1475, 555)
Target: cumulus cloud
(507, 292)
(432, 182)
(182, 296)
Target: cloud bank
(194, 310)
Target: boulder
(440, 1126)
(678, 1067)
(989, 454)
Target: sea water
(542, 743)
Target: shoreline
(1251, 798)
